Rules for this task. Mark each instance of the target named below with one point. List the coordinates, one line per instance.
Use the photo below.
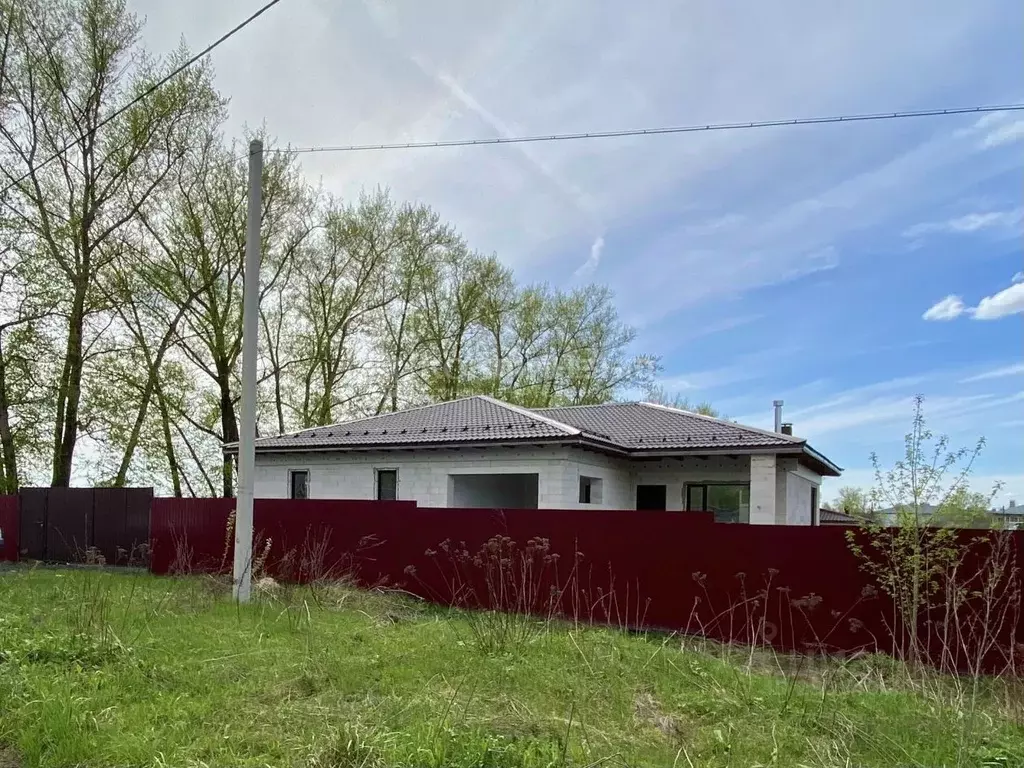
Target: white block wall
(763, 487)
(423, 476)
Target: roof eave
(820, 464)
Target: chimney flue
(778, 415)
(787, 428)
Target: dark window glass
(299, 484)
(586, 488)
(387, 484)
(695, 498)
(650, 497)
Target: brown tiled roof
(630, 428)
(472, 419)
(826, 515)
(644, 426)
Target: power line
(148, 92)
(657, 131)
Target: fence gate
(71, 524)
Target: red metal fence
(796, 588)
(10, 527)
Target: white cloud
(1009, 301)
(949, 308)
(1004, 134)
(996, 373)
(1017, 278)
(1006, 222)
(587, 268)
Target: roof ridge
(584, 405)
(726, 422)
(530, 414)
(366, 418)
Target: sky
(842, 268)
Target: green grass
(114, 669)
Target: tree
(201, 230)
(913, 558)
(853, 501)
(661, 396)
(71, 71)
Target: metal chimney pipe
(778, 415)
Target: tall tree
(71, 70)
(205, 243)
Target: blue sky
(795, 263)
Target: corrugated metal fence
(796, 588)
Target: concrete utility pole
(247, 428)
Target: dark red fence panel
(10, 527)
(68, 523)
(33, 522)
(796, 588)
(121, 524)
(188, 535)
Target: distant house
(835, 517)
(481, 452)
(1009, 517)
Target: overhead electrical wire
(146, 93)
(655, 131)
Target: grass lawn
(114, 669)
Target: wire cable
(656, 131)
(146, 93)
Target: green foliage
(914, 556)
(661, 396)
(854, 502)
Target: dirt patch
(647, 711)
(9, 758)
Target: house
(835, 517)
(481, 452)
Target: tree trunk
(229, 428)
(8, 458)
(165, 421)
(70, 394)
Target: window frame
(292, 471)
(376, 482)
(710, 484)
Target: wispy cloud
(1006, 131)
(895, 410)
(1003, 222)
(948, 308)
(588, 267)
(996, 373)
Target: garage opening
(501, 491)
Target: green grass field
(116, 669)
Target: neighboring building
(835, 517)
(1009, 517)
(481, 452)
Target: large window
(729, 501)
(298, 484)
(387, 484)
